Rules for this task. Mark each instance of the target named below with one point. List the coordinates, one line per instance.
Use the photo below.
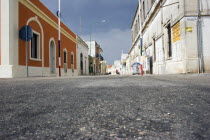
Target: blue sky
(114, 35)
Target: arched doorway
(81, 64)
(52, 57)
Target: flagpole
(59, 37)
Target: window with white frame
(35, 46)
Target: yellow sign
(176, 32)
(189, 29)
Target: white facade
(9, 39)
(95, 53)
(109, 69)
(134, 55)
(206, 42)
(118, 66)
(171, 40)
(92, 48)
(82, 57)
(123, 63)
(184, 51)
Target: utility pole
(27, 51)
(99, 66)
(200, 43)
(59, 37)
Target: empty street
(106, 107)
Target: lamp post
(102, 21)
(91, 26)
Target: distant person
(117, 72)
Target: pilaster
(9, 37)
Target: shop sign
(189, 29)
(176, 33)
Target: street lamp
(91, 26)
(102, 21)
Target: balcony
(100, 57)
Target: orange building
(43, 47)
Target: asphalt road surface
(173, 107)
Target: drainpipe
(163, 45)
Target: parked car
(108, 73)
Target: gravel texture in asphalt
(173, 107)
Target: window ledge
(34, 59)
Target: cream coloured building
(103, 67)
(95, 52)
(82, 57)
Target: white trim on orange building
(11, 66)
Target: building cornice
(151, 14)
(135, 15)
(43, 16)
(134, 43)
(80, 41)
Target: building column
(9, 37)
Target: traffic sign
(26, 33)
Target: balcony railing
(100, 56)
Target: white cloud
(112, 43)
